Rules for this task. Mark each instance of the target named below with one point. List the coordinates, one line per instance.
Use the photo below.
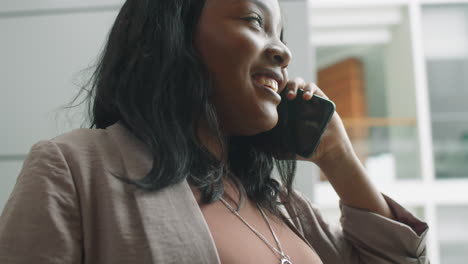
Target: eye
(255, 19)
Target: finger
(309, 91)
(293, 86)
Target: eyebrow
(264, 7)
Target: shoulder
(92, 144)
(82, 140)
(88, 151)
(60, 147)
(74, 153)
(113, 150)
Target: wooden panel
(343, 83)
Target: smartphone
(300, 126)
(307, 121)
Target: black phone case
(300, 127)
(307, 121)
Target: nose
(279, 54)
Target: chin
(250, 121)
(269, 124)
(262, 124)
(270, 118)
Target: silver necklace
(285, 259)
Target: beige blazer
(67, 207)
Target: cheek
(229, 54)
(226, 51)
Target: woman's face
(239, 42)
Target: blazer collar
(175, 226)
(173, 222)
(176, 229)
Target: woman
(170, 173)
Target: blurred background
(396, 69)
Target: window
(445, 38)
(406, 62)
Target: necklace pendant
(285, 261)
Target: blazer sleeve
(366, 237)
(40, 222)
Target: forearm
(350, 180)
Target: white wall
(42, 57)
(43, 53)
(401, 97)
(447, 40)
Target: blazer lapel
(175, 227)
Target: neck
(210, 141)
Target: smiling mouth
(267, 82)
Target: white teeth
(273, 84)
